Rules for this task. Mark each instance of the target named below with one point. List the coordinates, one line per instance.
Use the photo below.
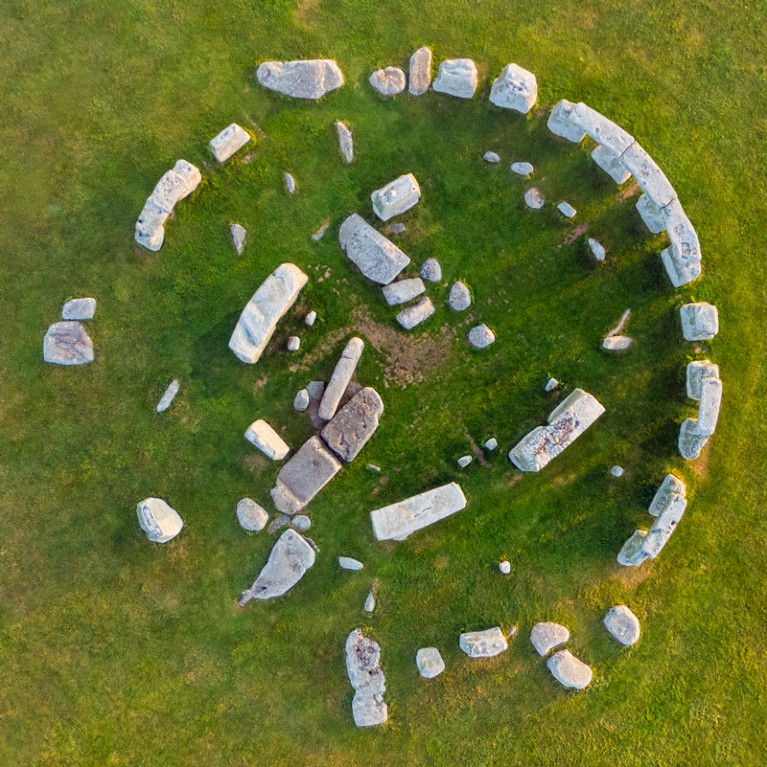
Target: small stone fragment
(429, 662)
(491, 157)
(317, 236)
(168, 396)
(310, 319)
(457, 77)
(309, 79)
(700, 322)
(491, 444)
(301, 401)
(251, 516)
(569, 671)
(370, 603)
(551, 384)
(622, 624)
(534, 199)
(373, 467)
(67, 343)
(397, 228)
(230, 140)
(345, 141)
(459, 297)
(266, 439)
(402, 291)
(290, 183)
(481, 336)
(431, 270)
(617, 471)
(617, 343)
(79, 309)
(416, 314)
(566, 209)
(420, 72)
(239, 233)
(597, 250)
(388, 82)
(464, 461)
(301, 522)
(515, 88)
(483, 644)
(348, 563)
(505, 567)
(294, 344)
(522, 168)
(158, 520)
(396, 197)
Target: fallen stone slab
(522, 168)
(349, 563)
(622, 625)
(682, 259)
(697, 371)
(431, 270)
(402, 291)
(339, 381)
(158, 520)
(483, 644)
(354, 424)
(168, 396)
(280, 521)
(700, 321)
(480, 336)
(456, 77)
(492, 157)
(420, 72)
(345, 141)
(319, 234)
(569, 671)
(617, 343)
(547, 636)
(710, 402)
(79, 309)
(562, 122)
(390, 81)
(303, 476)
(288, 562)
(567, 210)
(672, 492)
(399, 520)
(429, 662)
(459, 297)
(396, 197)
(379, 259)
(363, 667)
(610, 163)
(239, 234)
(515, 88)
(597, 249)
(67, 343)
(229, 141)
(261, 314)
(534, 199)
(691, 439)
(416, 314)
(307, 79)
(251, 516)
(651, 179)
(266, 439)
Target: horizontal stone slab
(672, 491)
(647, 173)
(483, 644)
(379, 259)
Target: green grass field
(115, 651)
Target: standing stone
(460, 297)
(611, 164)
(379, 259)
(280, 521)
(431, 270)
(567, 210)
(562, 123)
(617, 343)
(349, 563)
(370, 603)
(342, 374)
(682, 259)
(504, 566)
(251, 516)
(345, 141)
(522, 168)
(483, 644)
(363, 667)
(79, 309)
(551, 384)
(289, 560)
(388, 82)
(301, 401)
(239, 234)
(310, 79)
(67, 343)
(691, 439)
(294, 344)
(318, 235)
(534, 199)
(710, 402)
(569, 671)
(515, 88)
(290, 183)
(491, 444)
(301, 523)
(266, 439)
(429, 662)
(420, 72)
(697, 372)
(416, 314)
(158, 520)
(700, 322)
(457, 77)
(403, 291)
(651, 214)
(310, 319)
(597, 249)
(396, 197)
(168, 396)
(464, 461)
(492, 157)
(547, 636)
(481, 336)
(354, 424)
(230, 140)
(622, 624)
(672, 492)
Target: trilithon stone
(515, 88)
(561, 122)
(483, 644)
(700, 321)
(672, 492)
(691, 439)
(67, 343)
(457, 77)
(697, 372)
(308, 79)
(379, 259)
(229, 141)
(158, 520)
(396, 197)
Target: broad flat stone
(661, 530)
(456, 77)
(399, 520)
(481, 336)
(239, 235)
(651, 179)
(547, 636)
(158, 520)
(402, 291)
(396, 197)
(416, 314)
(710, 402)
(597, 249)
(354, 424)
(420, 72)
(342, 374)
(483, 644)
(691, 439)
(567, 210)
(345, 141)
(289, 560)
(79, 309)
(168, 396)
(431, 270)
(697, 371)
(229, 141)
(429, 662)
(682, 259)
(388, 82)
(266, 439)
(491, 157)
(610, 163)
(700, 322)
(534, 199)
(301, 401)
(67, 343)
(301, 523)
(290, 183)
(363, 667)
(672, 492)
(303, 476)
(617, 343)
(562, 122)
(622, 625)
(379, 259)
(515, 88)
(251, 516)
(522, 168)
(569, 671)
(651, 214)
(349, 563)
(459, 297)
(261, 314)
(308, 79)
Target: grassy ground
(117, 652)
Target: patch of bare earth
(629, 191)
(576, 233)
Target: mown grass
(117, 652)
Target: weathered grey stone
(396, 228)
(290, 183)
(303, 476)
(491, 157)
(402, 291)
(491, 444)
(515, 88)
(459, 297)
(345, 141)
(457, 77)
(251, 516)
(363, 667)
(376, 257)
(399, 520)
(651, 214)
(388, 82)
(261, 314)
(431, 270)
(551, 384)
(481, 336)
(610, 163)
(349, 563)
(566, 423)
(631, 554)
(648, 175)
(168, 396)
(310, 318)
(602, 130)
(691, 439)
(266, 439)
(309, 79)
(288, 561)
(420, 72)
(562, 123)
(534, 199)
(229, 141)
(547, 636)
(67, 343)
(622, 624)
(567, 210)
(483, 644)
(316, 390)
(342, 374)
(429, 662)
(710, 402)
(354, 424)
(522, 168)
(373, 467)
(301, 401)
(280, 521)
(396, 197)
(616, 471)
(158, 520)
(697, 371)
(79, 309)
(370, 602)
(569, 671)
(150, 226)
(416, 314)
(682, 259)
(239, 235)
(464, 461)
(301, 522)
(504, 566)
(700, 322)
(597, 249)
(672, 492)
(294, 344)
(617, 343)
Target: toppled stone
(459, 297)
(691, 440)
(504, 566)
(431, 270)
(399, 520)
(569, 671)
(289, 560)
(597, 249)
(491, 157)
(354, 424)
(534, 199)
(429, 662)
(251, 516)
(266, 439)
(420, 72)
(168, 396)
(547, 636)
(515, 88)
(294, 344)
(310, 319)
(697, 372)
(566, 423)
(388, 82)
(363, 667)
(567, 210)
(290, 183)
(79, 309)
(457, 77)
(370, 603)
(348, 563)
(239, 234)
(158, 520)
(610, 163)
(342, 374)
(622, 624)
(522, 168)
(481, 336)
(551, 384)
(67, 343)
(651, 214)
(280, 521)
(379, 259)
(397, 228)
(229, 141)
(672, 492)
(309, 79)
(303, 476)
(301, 522)
(403, 291)
(464, 461)
(491, 444)
(345, 141)
(416, 314)
(301, 401)
(617, 343)
(561, 122)
(396, 197)
(483, 644)
(700, 322)
(616, 471)
(261, 314)
(318, 235)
